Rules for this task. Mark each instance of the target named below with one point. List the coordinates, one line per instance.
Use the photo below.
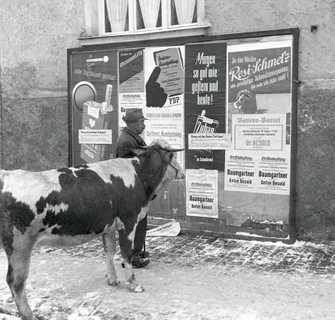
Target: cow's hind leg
(18, 269)
(109, 242)
(126, 252)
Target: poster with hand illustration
(164, 88)
(164, 76)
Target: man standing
(129, 140)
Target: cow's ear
(138, 151)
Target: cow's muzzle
(179, 172)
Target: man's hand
(156, 96)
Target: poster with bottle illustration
(94, 90)
(131, 81)
(205, 112)
(164, 72)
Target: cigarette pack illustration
(204, 124)
(171, 77)
(93, 119)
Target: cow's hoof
(136, 288)
(9, 300)
(113, 283)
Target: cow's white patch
(57, 208)
(119, 167)
(163, 143)
(28, 187)
(140, 216)
(119, 225)
(116, 226)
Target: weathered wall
(34, 36)
(317, 49)
(315, 207)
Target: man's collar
(128, 130)
(135, 135)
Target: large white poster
(202, 193)
(258, 172)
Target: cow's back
(26, 186)
(72, 201)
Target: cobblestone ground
(189, 278)
(191, 250)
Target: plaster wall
(34, 36)
(316, 49)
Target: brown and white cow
(71, 205)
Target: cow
(72, 205)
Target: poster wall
(228, 103)
(205, 112)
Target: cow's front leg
(126, 246)
(18, 269)
(109, 242)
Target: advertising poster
(265, 132)
(95, 136)
(259, 118)
(205, 112)
(94, 103)
(259, 78)
(164, 73)
(131, 81)
(202, 193)
(257, 172)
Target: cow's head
(159, 164)
(169, 156)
